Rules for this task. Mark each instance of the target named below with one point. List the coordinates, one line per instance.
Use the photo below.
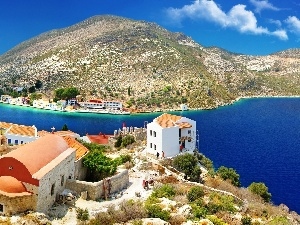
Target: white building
(100, 104)
(18, 134)
(171, 134)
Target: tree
(38, 84)
(229, 174)
(118, 143)
(69, 93)
(260, 189)
(31, 89)
(59, 93)
(65, 127)
(188, 164)
(99, 165)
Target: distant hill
(145, 65)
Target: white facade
(99, 104)
(171, 134)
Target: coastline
(154, 111)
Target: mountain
(145, 65)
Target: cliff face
(145, 65)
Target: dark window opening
(52, 189)
(154, 134)
(180, 133)
(62, 180)
(1, 208)
(150, 132)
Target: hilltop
(145, 65)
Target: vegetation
(195, 193)
(66, 93)
(65, 127)
(260, 189)
(82, 214)
(188, 164)
(124, 141)
(229, 174)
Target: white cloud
(276, 22)
(262, 5)
(237, 18)
(294, 24)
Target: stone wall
(17, 204)
(80, 170)
(53, 182)
(95, 190)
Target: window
(52, 189)
(62, 180)
(150, 145)
(154, 147)
(154, 133)
(16, 142)
(189, 131)
(9, 141)
(150, 132)
(1, 208)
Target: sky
(253, 27)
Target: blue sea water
(260, 138)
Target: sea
(258, 137)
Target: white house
(18, 134)
(171, 134)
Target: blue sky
(256, 27)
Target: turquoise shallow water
(260, 137)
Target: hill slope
(145, 65)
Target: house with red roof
(34, 174)
(170, 135)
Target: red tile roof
(167, 120)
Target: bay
(258, 137)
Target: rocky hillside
(145, 65)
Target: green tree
(118, 143)
(260, 189)
(99, 165)
(188, 164)
(65, 127)
(59, 93)
(127, 140)
(31, 89)
(69, 93)
(229, 174)
(38, 84)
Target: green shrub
(195, 193)
(218, 202)
(260, 189)
(188, 164)
(279, 220)
(82, 214)
(155, 211)
(199, 211)
(246, 221)
(215, 220)
(165, 190)
(127, 140)
(229, 174)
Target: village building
(168, 135)
(101, 104)
(35, 174)
(18, 134)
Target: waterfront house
(171, 134)
(18, 134)
(100, 104)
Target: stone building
(32, 175)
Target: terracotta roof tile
(167, 120)
(11, 185)
(41, 152)
(80, 149)
(22, 130)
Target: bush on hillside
(229, 174)
(195, 193)
(188, 164)
(260, 189)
